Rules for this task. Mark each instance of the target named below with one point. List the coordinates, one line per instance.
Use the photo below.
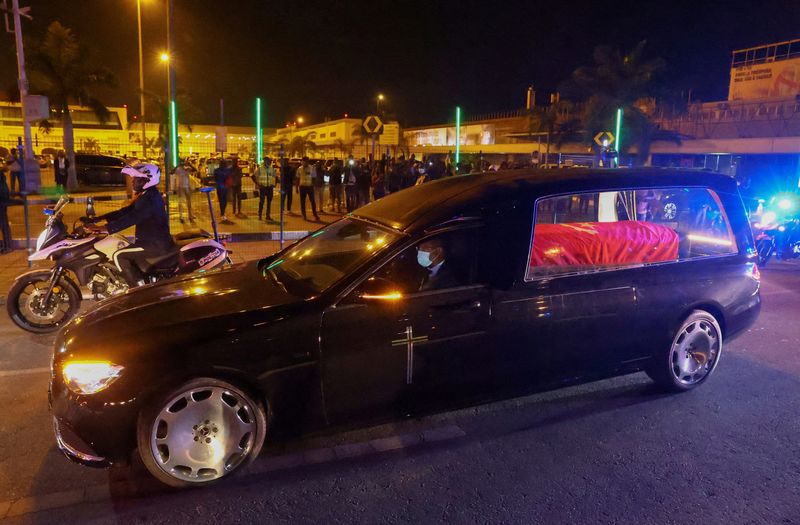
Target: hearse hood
(240, 288)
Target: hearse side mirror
(379, 289)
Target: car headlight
(90, 377)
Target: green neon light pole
(259, 137)
(458, 136)
(173, 132)
(618, 135)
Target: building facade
(117, 136)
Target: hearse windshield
(318, 261)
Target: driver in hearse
(148, 214)
(438, 274)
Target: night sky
(322, 59)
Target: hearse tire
(201, 432)
(691, 357)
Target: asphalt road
(616, 451)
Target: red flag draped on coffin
(603, 244)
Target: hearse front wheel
(692, 357)
(200, 432)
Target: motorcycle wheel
(24, 302)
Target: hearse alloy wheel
(203, 431)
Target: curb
(293, 235)
(79, 200)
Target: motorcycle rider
(148, 213)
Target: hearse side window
(446, 260)
(587, 232)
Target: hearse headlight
(90, 377)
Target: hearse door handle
(460, 306)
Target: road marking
(24, 371)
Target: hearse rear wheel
(694, 354)
(201, 432)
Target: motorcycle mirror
(90, 207)
(62, 201)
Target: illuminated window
(587, 232)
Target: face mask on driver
(424, 258)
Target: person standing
(378, 181)
(60, 166)
(5, 227)
(319, 184)
(287, 186)
(305, 186)
(335, 185)
(222, 178)
(363, 184)
(350, 178)
(211, 167)
(393, 178)
(265, 181)
(236, 189)
(14, 165)
(182, 186)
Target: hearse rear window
(587, 232)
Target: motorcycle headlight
(90, 377)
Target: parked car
(453, 292)
(99, 170)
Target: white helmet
(146, 171)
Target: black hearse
(468, 288)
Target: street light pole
(23, 79)
(141, 81)
(173, 112)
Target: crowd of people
(350, 183)
(334, 185)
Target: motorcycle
(777, 233)
(42, 301)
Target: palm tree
(91, 145)
(341, 145)
(403, 145)
(357, 136)
(557, 121)
(62, 69)
(157, 104)
(618, 80)
(299, 145)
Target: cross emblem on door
(408, 341)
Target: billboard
(769, 79)
(221, 139)
(390, 135)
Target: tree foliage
(63, 70)
(619, 80)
